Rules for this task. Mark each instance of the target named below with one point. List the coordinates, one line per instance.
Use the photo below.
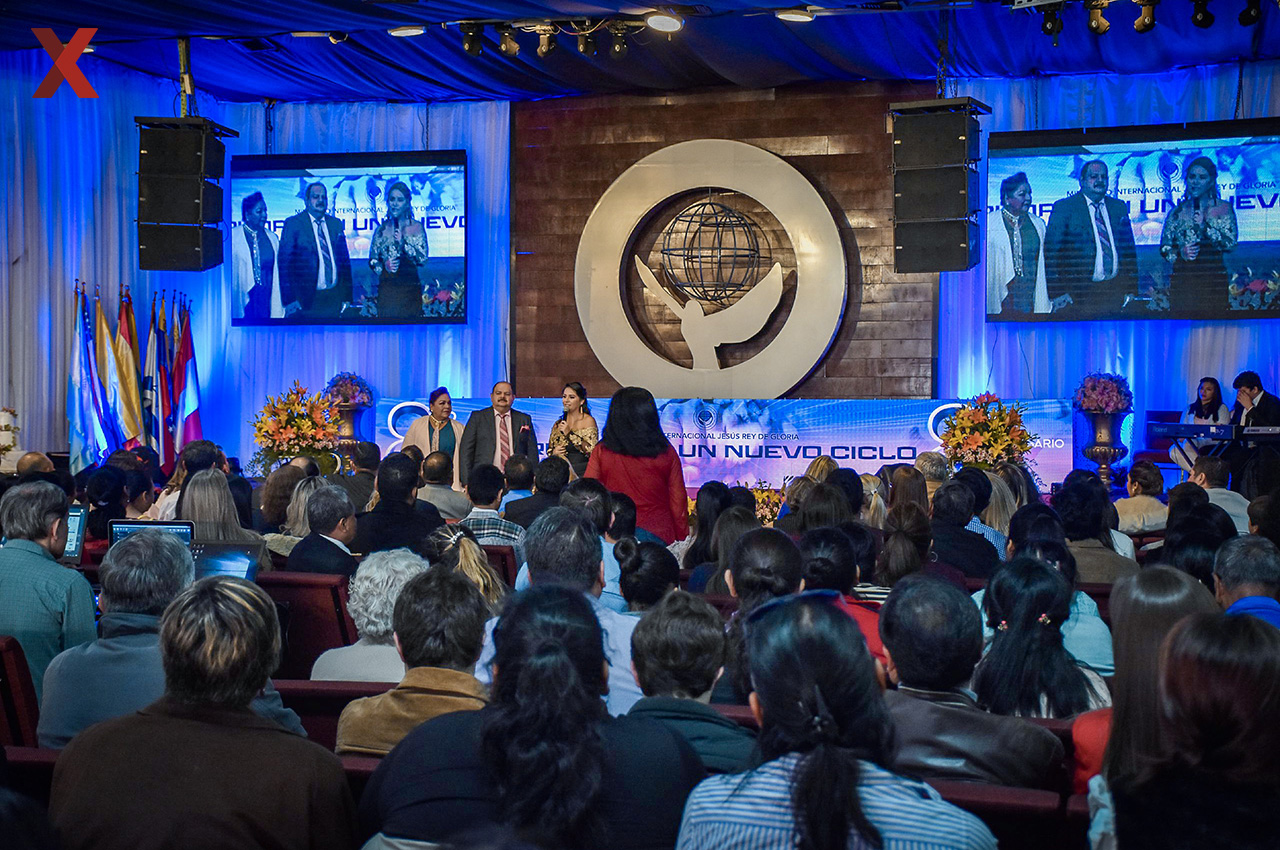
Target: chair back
(503, 561)
(313, 617)
(31, 771)
(1018, 817)
(1100, 593)
(319, 704)
(724, 603)
(19, 711)
(740, 714)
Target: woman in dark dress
(399, 249)
(1198, 231)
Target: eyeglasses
(828, 596)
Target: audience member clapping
(648, 573)
(373, 592)
(438, 623)
(709, 576)
(135, 781)
(826, 739)
(1027, 671)
(679, 651)
(933, 639)
(207, 502)
(1141, 511)
(543, 757)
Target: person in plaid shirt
(485, 487)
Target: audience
(908, 484)
(1246, 578)
(850, 482)
(820, 467)
(980, 486)
(764, 565)
(1141, 511)
(1001, 507)
(197, 456)
(277, 492)
(709, 576)
(1110, 538)
(359, 484)
(206, 501)
(711, 501)
(1215, 782)
(542, 757)
(874, 505)
(741, 496)
(623, 523)
(908, 549)
(44, 605)
(1027, 672)
(308, 465)
(122, 672)
(589, 497)
(438, 623)
(564, 548)
(1192, 542)
(1212, 473)
(398, 521)
(197, 767)
(296, 524)
(518, 473)
(678, 651)
(242, 498)
(1082, 507)
(827, 743)
(933, 639)
(372, 598)
(33, 463)
(648, 573)
(826, 506)
(1021, 483)
(550, 477)
(108, 500)
(831, 563)
(955, 543)
(935, 468)
(332, 520)
(485, 485)
(141, 494)
(796, 492)
(454, 547)
(1257, 511)
(437, 473)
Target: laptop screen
(75, 535)
(122, 528)
(239, 560)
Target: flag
(87, 423)
(186, 386)
(156, 398)
(126, 351)
(108, 376)
(167, 454)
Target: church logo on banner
(711, 269)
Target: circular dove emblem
(604, 257)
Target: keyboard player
(1255, 467)
(1207, 409)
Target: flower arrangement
(1254, 291)
(768, 502)
(295, 423)
(349, 388)
(8, 430)
(986, 431)
(1103, 392)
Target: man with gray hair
(122, 672)
(332, 519)
(1246, 577)
(935, 468)
(46, 606)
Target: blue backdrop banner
(767, 441)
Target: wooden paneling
(568, 151)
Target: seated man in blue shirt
(1246, 577)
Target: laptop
(75, 535)
(119, 529)
(239, 560)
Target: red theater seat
(19, 711)
(319, 704)
(31, 771)
(313, 617)
(723, 603)
(358, 770)
(1101, 594)
(740, 714)
(503, 561)
(1020, 818)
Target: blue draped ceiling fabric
(69, 189)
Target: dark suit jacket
(967, 551)
(359, 486)
(524, 511)
(314, 554)
(480, 440)
(394, 525)
(300, 262)
(1069, 255)
(1266, 411)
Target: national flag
(127, 365)
(167, 453)
(87, 422)
(108, 375)
(156, 400)
(186, 386)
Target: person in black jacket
(967, 551)
(399, 520)
(332, 520)
(549, 478)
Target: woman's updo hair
(649, 572)
(907, 538)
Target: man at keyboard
(1255, 467)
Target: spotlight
(586, 44)
(337, 37)
(1052, 24)
(1147, 18)
(546, 44)
(664, 21)
(1097, 24)
(1201, 17)
(798, 15)
(472, 38)
(1252, 13)
(407, 31)
(508, 44)
(618, 47)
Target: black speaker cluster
(179, 201)
(936, 194)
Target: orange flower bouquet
(295, 423)
(986, 431)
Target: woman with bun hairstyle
(649, 572)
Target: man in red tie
(496, 433)
(1090, 259)
(315, 266)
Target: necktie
(325, 257)
(1104, 239)
(504, 440)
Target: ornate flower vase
(1105, 447)
(348, 435)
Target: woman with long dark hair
(709, 577)
(826, 506)
(108, 499)
(575, 433)
(635, 457)
(1208, 408)
(649, 572)
(277, 492)
(544, 757)
(1215, 781)
(1027, 672)
(908, 485)
(712, 500)
(826, 740)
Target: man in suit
(1090, 258)
(496, 433)
(399, 520)
(333, 527)
(315, 267)
(359, 484)
(1255, 467)
(550, 477)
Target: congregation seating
(319, 704)
(313, 617)
(31, 771)
(19, 711)
(503, 561)
(1020, 818)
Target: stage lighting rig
(507, 42)
(1201, 17)
(665, 20)
(1051, 24)
(1252, 13)
(1146, 21)
(472, 38)
(1097, 23)
(587, 44)
(618, 48)
(546, 41)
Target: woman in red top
(635, 457)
